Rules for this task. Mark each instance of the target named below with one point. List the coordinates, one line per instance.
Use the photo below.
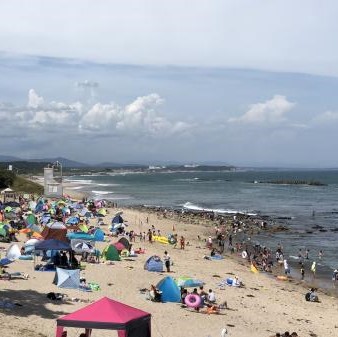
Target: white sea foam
(102, 192)
(193, 207)
(79, 181)
(106, 185)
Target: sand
(263, 307)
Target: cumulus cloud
(34, 100)
(142, 116)
(87, 84)
(269, 112)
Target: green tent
(31, 220)
(110, 253)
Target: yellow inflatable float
(160, 239)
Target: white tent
(68, 278)
(7, 190)
(13, 252)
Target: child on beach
(182, 242)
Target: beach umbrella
(84, 247)
(187, 282)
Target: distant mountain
(118, 165)
(5, 158)
(64, 162)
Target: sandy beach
(261, 308)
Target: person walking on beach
(302, 272)
(166, 260)
(307, 254)
(313, 269)
(286, 267)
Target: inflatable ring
(192, 300)
(244, 254)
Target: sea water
(310, 212)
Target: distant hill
(64, 161)
(5, 158)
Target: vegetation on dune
(18, 183)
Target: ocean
(309, 211)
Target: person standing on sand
(313, 269)
(286, 267)
(166, 260)
(182, 242)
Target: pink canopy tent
(107, 314)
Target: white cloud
(326, 117)
(34, 100)
(142, 116)
(269, 112)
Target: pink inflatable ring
(192, 300)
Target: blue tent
(117, 219)
(52, 244)
(170, 291)
(98, 235)
(154, 263)
(74, 220)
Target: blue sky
(241, 82)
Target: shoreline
(259, 309)
(209, 220)
(323, 285)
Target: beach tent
(97, 235)
(170, 291)
(188, 282)
(108, 314)
(110, 253)
(31, 219)
(119, 246)
(29, 246)
(13, 252)
(52, 244)
(67, 278)
(74, 220)
(117, 219)
(154, 263)
(55, 230)
(125, 243)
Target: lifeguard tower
(53, 180)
